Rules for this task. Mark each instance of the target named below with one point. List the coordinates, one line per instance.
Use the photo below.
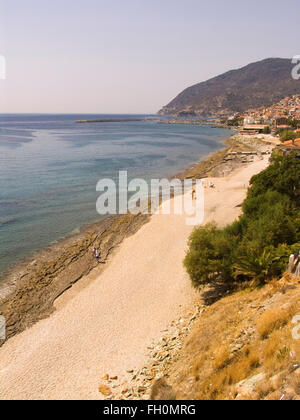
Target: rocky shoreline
(29, 290)
(212, 123)
(241, 150)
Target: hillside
(244, 343)
(240, 347)
(258, 84)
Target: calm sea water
(49, 168)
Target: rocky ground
(241, 150)
(173, 367)
(243, 347)
(138, 384)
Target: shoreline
(239, 150)
(78, 230)
(104, 326)
(30, 288)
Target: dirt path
(106, 326)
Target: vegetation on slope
(242, 347)
(257, 246)
(287, 134)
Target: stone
(193, 318)
(247, 386)
(297, 372)
(104, 390)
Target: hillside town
(281, 119)
(282, 115)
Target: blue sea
(50, 165)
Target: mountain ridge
(258, 84)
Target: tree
(293, 123)
(283, 176)
(258, 245)
(267, 130)
(287, 135)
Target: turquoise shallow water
(49, 168)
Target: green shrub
(258, 245)
(294, 123)
(287, 135)
(268, 218)
(283, 176)
(258, 266)
(211, 252)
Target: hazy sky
(131, 56)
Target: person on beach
(194, 194)
(96, 254)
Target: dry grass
(222, 358)
(233, 371)
(272, 320)
(237, 338)
(264, 389)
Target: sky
(133, 56)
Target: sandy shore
(105, 322)
(28, 290)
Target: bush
(211, 252)
(258, 266)
(258, 245)
(236, 122)
(268, 220)
(287, 134)
(283, 176)
(294, 123)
